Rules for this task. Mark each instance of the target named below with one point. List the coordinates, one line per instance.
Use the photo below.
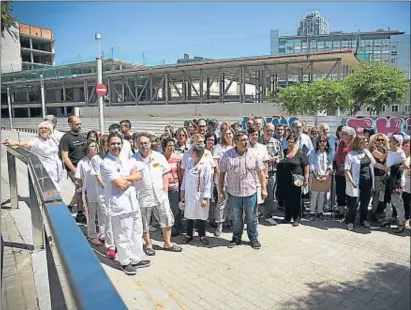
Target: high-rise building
(30, 47)
(312, 24)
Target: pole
(9, 103)
(43, 99)
(99, 63)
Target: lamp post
(99, 62)
(10, 111)
(43, 97)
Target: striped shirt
(174, 162)
(241, 172)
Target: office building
(187, 59)
(30, 47)
(390, 46)
(312, 24)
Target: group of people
(222, 174)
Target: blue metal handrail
(88, 284)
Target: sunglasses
(380, 140)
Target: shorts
(163, 213)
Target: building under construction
(244, 80)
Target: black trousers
(293, 203)
(406, 197)
(340, 190)
(200, 227)
(365, 197)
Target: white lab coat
(197, 184)
(48, 153)
(124, 210)
(353, 164)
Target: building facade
(312, 24)
(29, 48)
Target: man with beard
(118, 176)
(152, 193)
(72, 150)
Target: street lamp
(99, 61)
(43, 97)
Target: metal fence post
(11, 163)
(36, 216)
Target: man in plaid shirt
(275, 152)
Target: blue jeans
(238, 205)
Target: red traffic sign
(101, 90)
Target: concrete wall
(10, 52)
(190, 110)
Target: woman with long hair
(46, 148)
(92, 135)
(379, 146)
(191, 129)
(292, 175)
(359, 174)
(182, 144)
(169, 131)
(221, 211)
(321, 169)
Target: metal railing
(75, 275)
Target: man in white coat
(118, 176)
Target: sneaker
(366, 224)
(271, 221)
(152, 229)
(129, 270)
(141, 264)
(350, 226)
(218, 230)
(95, 242)
(256, 245)
(312, 217)
(233, 243)
(111, 254)
(296, 223)
(81, 217)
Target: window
(394, 108)
(407, 108)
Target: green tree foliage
(8, 21)
(330, 95)
(292, 98)
(375, 84)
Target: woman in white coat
(359, 173)
(196, 193)
(47, 150)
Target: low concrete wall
(185, 110)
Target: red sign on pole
(101, 90)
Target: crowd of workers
(222, 174)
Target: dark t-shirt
(296, 164)
(74, 144)
(365, 170)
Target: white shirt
(47, 152)
(126, 152)
(319, 162)
(84, 173)
(353, 164)
(150, 189)
(96, 162)
(305, 139)
(219, 150)
(207, 157)
(57, 134)
(119, 201)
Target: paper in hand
(394, 158)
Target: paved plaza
(318, 265)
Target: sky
(161, 32)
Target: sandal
(95, 242)
(149, 251)
(173, 248)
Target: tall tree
(375, 84)
(297, 99)
(330, 96)
(8, 21)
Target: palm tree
(8, 21)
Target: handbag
(298, 180)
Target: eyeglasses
(380, 140)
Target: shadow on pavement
(385, 286)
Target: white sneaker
(350, 227)
(271, 221)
